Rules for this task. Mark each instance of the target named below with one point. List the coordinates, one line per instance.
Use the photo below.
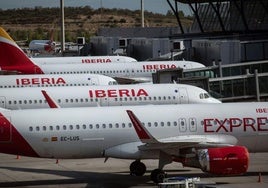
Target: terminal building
(230, 37)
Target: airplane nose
(215, 100)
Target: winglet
(50, 101)
(141, 131)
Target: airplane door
(2, 102)
(5, 129)
(182, 125)
(94, 81)
(183, 96)
(104, 101)
(127, 72)
(192, 125)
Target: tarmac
(94, 173)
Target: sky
(156, 6)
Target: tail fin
(10, 53)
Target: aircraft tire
(157, 175)
(137, 168)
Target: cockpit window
(113, 83)
(204, 96)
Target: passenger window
(84, 126)
(64, 127)
(31, 129)
(77, 127)
(51, 128)
(57, 127)
(44, 128)
(37, 128)
(71, 127)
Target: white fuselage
(83, 59)
(41, 80)
(113, 95)
(136, 71)
(108, 131)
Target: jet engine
(219, 161)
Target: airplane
(113, 95)
(215, 138)
(44, 80)
(127, 72)
(43, 46)
(83, 59)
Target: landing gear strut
(137, 168)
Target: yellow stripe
(4, 34)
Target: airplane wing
(125, 80)
(184, 141)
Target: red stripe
(12, 142)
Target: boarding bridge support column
(257, 85)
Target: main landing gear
(138, 168)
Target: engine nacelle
(220, 161)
